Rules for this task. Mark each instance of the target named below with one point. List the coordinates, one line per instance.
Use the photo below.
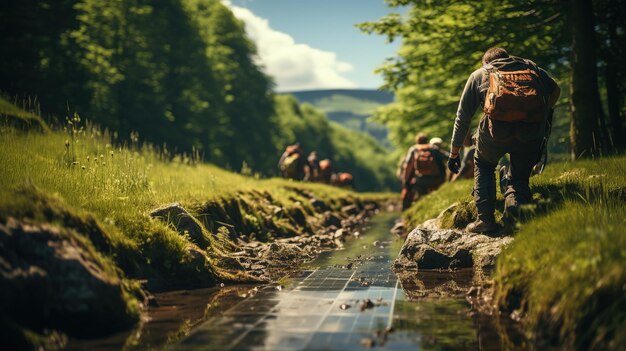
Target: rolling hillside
(350, 107)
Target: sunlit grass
(80, 171)
(564, 274)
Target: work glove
(454, 163)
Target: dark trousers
(489, 149)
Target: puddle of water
(324, 308)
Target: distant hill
(350, 107)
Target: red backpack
(425, 162)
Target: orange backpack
(515, 95)
(424, 161)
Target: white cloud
(293, 66)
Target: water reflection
(345, 300)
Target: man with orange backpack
(516, 96)
(292, 164)
(424, 170)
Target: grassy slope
(350, 108)
(565, 271)
(77, 177)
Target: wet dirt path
(347, 300)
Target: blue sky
(313, 44)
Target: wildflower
(75, 163)
(83, 167)
(101, 156)
(87, 158)
(111, 153)
(67, 143)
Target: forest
(181, 75)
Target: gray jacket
(473, 97)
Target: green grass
(564, 273)
(78, 179)
(431, 205)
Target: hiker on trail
(292, 164)
(424, 170)
(438, 144)
(516, 96)
(325, 171)
(467, 164)
(343, 179)
(313, 168)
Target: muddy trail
(346, 299)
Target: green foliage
(180, 73)
(350, 108)
(443, 42)
(344, 103)
(79, 180)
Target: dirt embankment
(62, 277)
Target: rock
(331, 219)
(184, 223)
(350, 210)
(371, 206)
(319, 205)
(338, 234)
(398, 228)
(368, 342)
(53, 279)
(366, 304)
(428, 247)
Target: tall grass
(81, 171)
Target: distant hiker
(424, 170)
(438, 143)
(467, 164)
(313, 168)
(516, 96)
(343, 179)
(292, 164)
(325, 171)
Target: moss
(565, 274)
(431, 205)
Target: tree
(443, 42)
(585, 106)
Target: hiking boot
(511, 210)
(481, 227)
